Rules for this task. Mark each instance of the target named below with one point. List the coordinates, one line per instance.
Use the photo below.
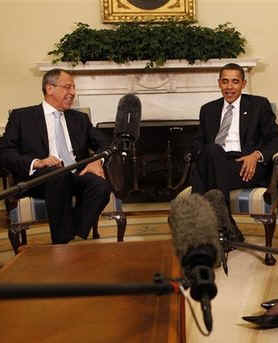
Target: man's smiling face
(231, 84)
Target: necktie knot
(57, 114)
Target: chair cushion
(28, 210)
(243, 201)
(31, 210)
(249, 201)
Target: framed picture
(116, 11)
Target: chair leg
(23, 237)
(17, 237)
(269, 222)
(14, 240)
(120, 219)
(269, 232)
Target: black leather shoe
(237, 235)
(96, 235)
(264, 321)
(268, 304)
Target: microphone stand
(160, 286)
(25, 185)
(233, 244)
(226, 244)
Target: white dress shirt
(233, 138)
(232, 142)
(49, 119)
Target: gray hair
(51, 77)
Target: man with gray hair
(44, 137)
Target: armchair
(23, 212)
(261, 204)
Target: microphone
(217, 200)
(126, 132)
(225, 225)
(194, 229)
(127, 123)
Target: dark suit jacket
(257, 128)
(26, 138)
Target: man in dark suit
(236, 139)
(41, 138)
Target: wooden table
(123, 319)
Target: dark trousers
(66, 220)
(217, 169)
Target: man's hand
(94, 168)
(249, 163)
(50, 161)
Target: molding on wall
(140, 65)
(175, 91)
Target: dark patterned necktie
(225, 126)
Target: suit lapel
(39, 118)
(244, 113)
(71, 125)
(217, 115)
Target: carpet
(39, 235)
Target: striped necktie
(60, 140)
(225, 126)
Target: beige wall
(29, 29)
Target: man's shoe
(96, 235)
(264, 321)
(268, 304)
(237, 235)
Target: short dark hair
(51, 77)
(232, 66)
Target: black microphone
(218, 203)
(127, 123)
(194, 229)
(225, 226)
(126, 132)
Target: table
(132, 318)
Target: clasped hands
(52, 161)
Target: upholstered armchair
(24, 212)
(260, 203)
(253, 202)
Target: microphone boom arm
(30, 291)
(233, 244)
(25, 185)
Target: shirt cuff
(261, 158)
(32, 170)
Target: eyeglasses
(66, 87)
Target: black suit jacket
(26, 138)
(257, 127)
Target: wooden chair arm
(186, 173)
(8, 181)
(271, 194)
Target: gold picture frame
(116, 11)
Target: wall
(257, 21)
(29, 29)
